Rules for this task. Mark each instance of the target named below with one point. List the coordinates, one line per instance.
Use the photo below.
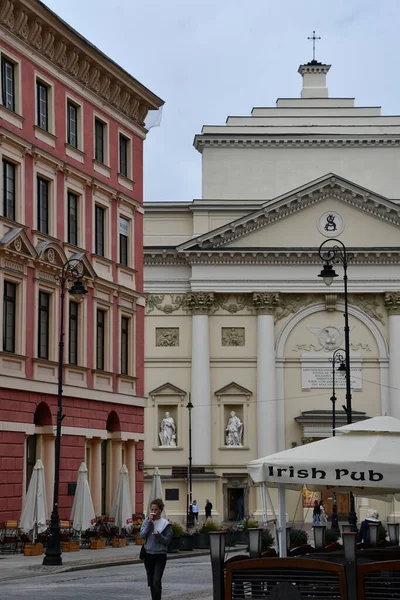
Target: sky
(212, 58)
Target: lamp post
(73, 271)
(337, 254)
(190, 516)
(338, 356)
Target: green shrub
(382, 534)
(266, 540)
(249, 523)
(298, 537)
(331, 536)
(209, 525)
(177, 529)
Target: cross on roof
(313, 38)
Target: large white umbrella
(82, 513)
(34, 514)
(156, 491)
(121, 509)
(364, 459)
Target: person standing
(208, 509)
(157, 533)
(316, 513)
(322, 514)
(195, 511)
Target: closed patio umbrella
(82, 513)
(156, 491)
(121, 509)
(34, 514)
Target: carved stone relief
(167, 336)
(233, 336)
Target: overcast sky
(212, 58)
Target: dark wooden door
(342, 500)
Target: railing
(259, 578)
(379, 580)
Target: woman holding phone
(157, 533)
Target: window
(123, 241)
(72, 124)
(99, 140)
(30, 458)
(42, 205)
(100, 338)
(72, 219)
(8, 190)
(8, 83)
(73, 333)
(99, 230)
(123, 155)
(44, 325)
(124, 345)
(172, 494)
(9, 308)
(42, 108)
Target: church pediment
(51, 253)
(233, 389)
(17, 243)
(167, 389)
(291, 221)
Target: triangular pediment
(167, 389)
(17, 241)
(233, 389)
(53, 255)
(290, 220)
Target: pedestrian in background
(157, 533)
(195, 511)
(316, 513)
(208, 509)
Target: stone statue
(167, 433)
(234, 431)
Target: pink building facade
(71, 152)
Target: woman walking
(157, 533)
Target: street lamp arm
(73, 269)
(336, 253)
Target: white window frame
(40, 78)
(20, 313)
(106, 130)
(17, 82)
(80, 117)
(128, 137)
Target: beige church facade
(237, 318)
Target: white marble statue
(167, 433)
(234, 431)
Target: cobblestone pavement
(185, 579)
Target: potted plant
(242, 535)
(118, 540)
(267, 540)
(177, 531)
(202, 537)
(98, 543)
(299, 542)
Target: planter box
(174, 544)
(187, 543)
(118, 542)
(97, 544)
(33, 549)
(242, 537)
(139, 541)
(202, 540)
(71, 546)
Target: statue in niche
(167, 433)
(234, 431)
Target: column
(95, 474)
(392, 302)
(200, 304)
(267, 421)
(130, 456)
(115, 466)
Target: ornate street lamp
(335, 255)
(337, 357)
(73, 271)
(190, 516)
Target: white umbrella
(121, 509)
(364, 459)
(34, 514)
(82, 513)
(156, 491)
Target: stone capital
(200, 303)
(265, 302)
(392, 302)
